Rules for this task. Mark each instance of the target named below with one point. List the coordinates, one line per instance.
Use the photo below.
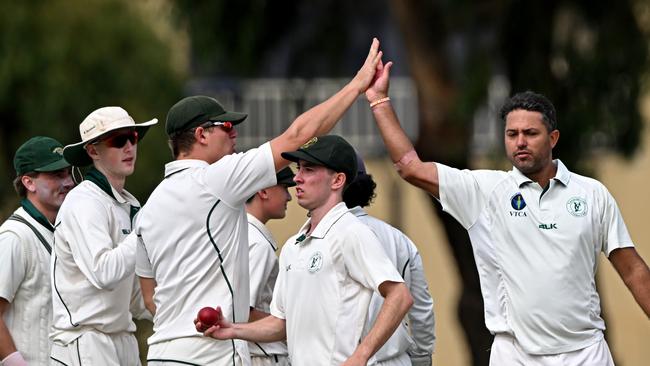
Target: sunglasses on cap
(226, 126)
(118, 140)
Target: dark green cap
(39, 154)
(285, 176)
(331, 151)
(192, 111)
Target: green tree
(60, 60)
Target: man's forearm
(268, 329)
(395, 139)
(396, 304)
(7, 345)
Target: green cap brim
(57, 165)
(234, 117)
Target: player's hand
(222, 329)
(366, 74)
(379, 87)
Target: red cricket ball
(208, 316)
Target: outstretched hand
(366, 74)
(379, 87)
(222, 329)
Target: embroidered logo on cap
(58, 150)
(307, 144)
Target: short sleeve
(236, 177)
(460, 194)
(13, 266)
(366, 260)
(615, 232)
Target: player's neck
(318, 213)
(257, 212)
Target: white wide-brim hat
(97, 124)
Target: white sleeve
(460, 194)
(13, 265)
(143, 267)
(261, 260)
(614, 234)
(278, 309)
(421, 315)
(366, 260)
(104, 263)
(236, 177)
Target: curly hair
(360, 192)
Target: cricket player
(95, 293)
(328, 272)
(536, 232)
(269, 203)
(192, 233)
(413, 342)
(42, 181)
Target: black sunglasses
(118, 140)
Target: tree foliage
(60, 60)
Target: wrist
(379, 101)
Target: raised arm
(321, 119)
(397, 301)
(401, 150)
(635, 273)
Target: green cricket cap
(285, 176)
(330, 151)
(39, 154)
(193, 111)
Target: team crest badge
(315, 262)
(577, 206)
(517, 202)
(58, 150)
(307, 144)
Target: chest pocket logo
(577, 206)
(517, 202)
(315, 262)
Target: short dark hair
(181, 142)
(533, 102)
(360, 192)
(20, 187)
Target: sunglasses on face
(226, 126)
(118, 140)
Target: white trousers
(197, 350)
(97, 349)
(506, 351)
(273, 360)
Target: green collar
(29, 207)
(100, 180)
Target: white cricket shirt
(418, 337)
(25, 284)
(324, 287)
(93, 264)
(263, 267)
(193, 240)
(537, 252)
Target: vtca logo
(518, 203)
